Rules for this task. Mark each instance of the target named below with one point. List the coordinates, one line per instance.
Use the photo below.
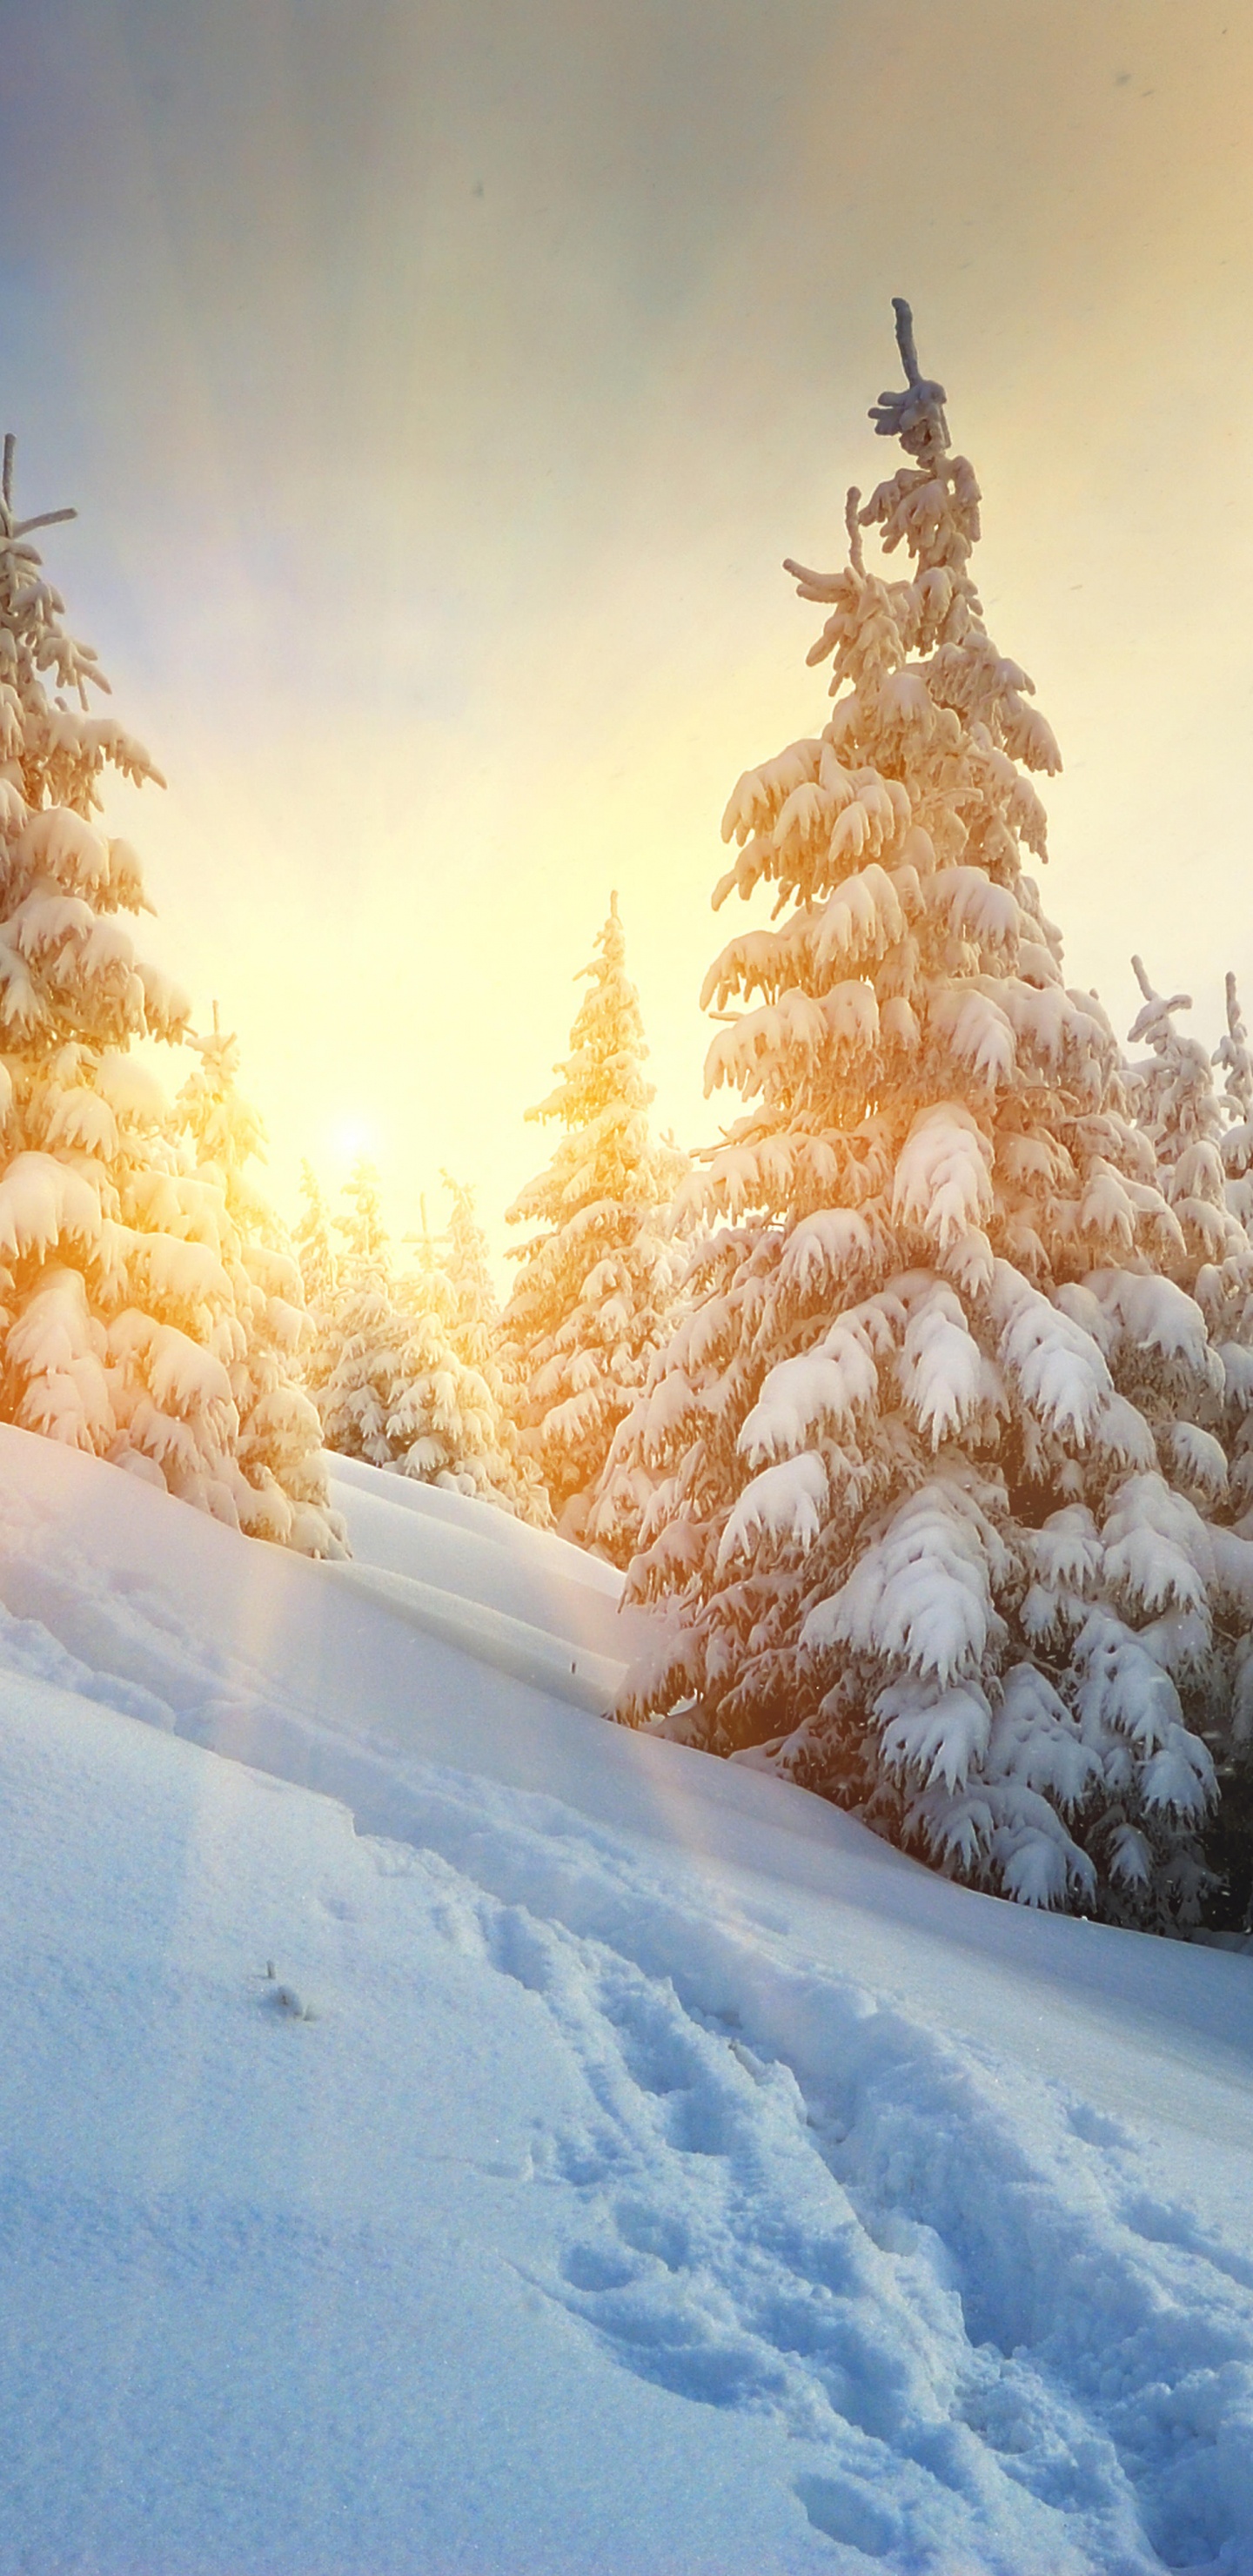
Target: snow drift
(647, 2170)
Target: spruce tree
(400, 1391)
(1174, 1097)
(357, 1376)
(359, 1399)
(280, 1435)
(120, 1323)
(1204, 1145)
(928, 1525)
(475, 1328)
(1232, 1053)
(596, 1287)
(474, 1320)
(315, 1244)
(364, 1233)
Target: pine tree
(119, 1325)
(362, 1227)
(446, 1421)
(1230, 1291)
(596, 1289)
(1174, 1097)
(401, 1391)
(475, 1328)
(927, 1520)
(280, 1435)
(315, 1244)
(356, 1373)
(474, 1320)
(1233, 1054)
(365, 1385)
(1225, 1288)
(1202, 1145)
(356, 1307)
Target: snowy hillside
(628, 2166)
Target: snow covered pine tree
(119, 1321)
(936, 1509)
(359, 1356)
(1204, 1146)
(318, 1256)
(596, 1286)
(398, 1392)
(475, 1329)
(475, 1316)
(280, 1435)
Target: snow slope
(668, 2177)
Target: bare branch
(45, 519)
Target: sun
(349, 1137)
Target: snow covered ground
(630, 2168)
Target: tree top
(22, 527)
(915, 416)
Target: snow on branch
(915, 416)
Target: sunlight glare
(350, 1137)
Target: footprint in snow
(972, 2342)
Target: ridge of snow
(510, 1646)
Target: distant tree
(280, 1435)
(315, 1244)
(597, 1281)
(1236, 1060)
(357, 1363)
(474, 1319)
(400, 1391)
(361, 1225)
(1173, 1093)
(938, 1516)
(476, 1332)
(120, 1323)
(360, 1397)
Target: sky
(441, 384)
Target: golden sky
(441, 386)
